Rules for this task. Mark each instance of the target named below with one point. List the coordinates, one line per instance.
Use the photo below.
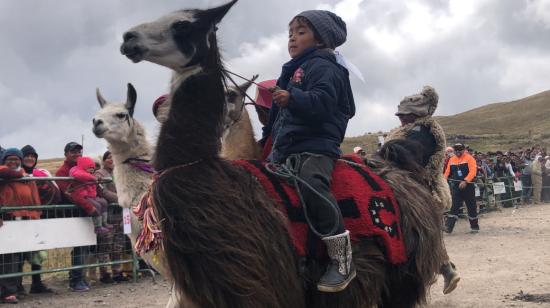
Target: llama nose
(97, 122)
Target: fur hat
(421, 104)
(330, 26)
(356, 150)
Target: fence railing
(53, 231)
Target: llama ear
(215, 15)
(100, 99)
(263, 114)
(247, 84)
(131, 99)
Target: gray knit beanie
(421, 104)
(330, 27)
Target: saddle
(366, 202)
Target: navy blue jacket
(320, 105)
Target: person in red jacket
(15, 194)
(83, 192)
(73, 151)
(462, 170)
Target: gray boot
(450, 276)
(340, 271)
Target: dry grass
(50, 164)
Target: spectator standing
(546, 180)
(536, 178)
(49, 194)
(526, 178)
(462, 169)
(108, 191)
(15, 194)
(72, 152)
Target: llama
(225, 241)
(238, 140)
(127, 140)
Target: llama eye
(120, 115)
(182, 27)
(231, 96)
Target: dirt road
(511, 254)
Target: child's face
(90, 170)
(300, 38)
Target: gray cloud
(55, 53)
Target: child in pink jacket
(84, 194)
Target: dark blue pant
(467, 195)
(9, 263)
(78, 257)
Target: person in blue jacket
(307, 123)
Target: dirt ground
(509, 256)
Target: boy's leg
(316, 170)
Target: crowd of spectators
(530, 167)
(88, 192)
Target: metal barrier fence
(494, 191)
(59, 226)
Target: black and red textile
(366, 201)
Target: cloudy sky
(53, 54)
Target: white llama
(128, 144)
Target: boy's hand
(281, 98)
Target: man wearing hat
(415, 114)
(462, 170)
(73, 151)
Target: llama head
(234, 102)
(177, 40)
(114, 121)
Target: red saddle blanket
(366, 201)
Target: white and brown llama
(226, 243)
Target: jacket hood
(85, 162)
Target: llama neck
(135, 146)
(192, 130)
(239, 141)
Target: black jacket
(316, 118)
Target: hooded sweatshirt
(80, 188)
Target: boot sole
(452, 285)
(339, 287)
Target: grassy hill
(498, 126)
